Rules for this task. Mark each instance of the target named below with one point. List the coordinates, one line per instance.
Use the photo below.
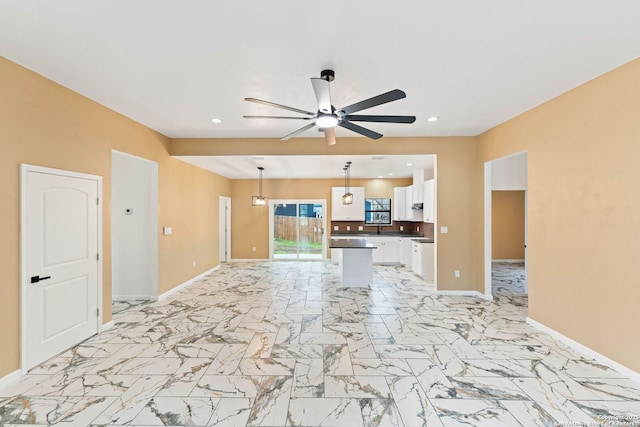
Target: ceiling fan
(328, 117)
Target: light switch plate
(360, 228)
(166, 231)
(444, 230)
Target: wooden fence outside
(285, 228)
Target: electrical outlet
(457, 273)
(401, 228)
(418, 228)
(253, 249)
(194, 263)
(348, 228)
(360, 228)
(336, 228)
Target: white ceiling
(174, 65)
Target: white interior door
(60, 249)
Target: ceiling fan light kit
(328, 117)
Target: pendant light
(259, 200)
(347, 198)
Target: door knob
(36, 279)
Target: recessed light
(433, 119)
(380, 177)
(390, 173)
(409, 164)
(216, 120)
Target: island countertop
(351, 244)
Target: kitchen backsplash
(407, 227)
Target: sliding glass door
(297, 229)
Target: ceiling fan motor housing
(328, 75)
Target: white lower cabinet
(405, 252)
(422, 260)
(387, 250)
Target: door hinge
(97, 257)
(97, 312)
(98, 201)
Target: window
(377, 211)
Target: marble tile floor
(281, 344)
(508, 278)
(118, 306)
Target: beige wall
(45, 124)
(250, 224)
(583, 210)
(456, 159)
(507, 224)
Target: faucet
(379, 227)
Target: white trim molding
(11, 378)
(252, 260)
(633, 375)
(475, 294)
(508, 260)
(134, 298)
(187, 283)
(108, 325)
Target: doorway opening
(134, 229)
(297, 229)
(505, 208)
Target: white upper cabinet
(399, 204)
(352, 212)
(418, 180)
(428, 207)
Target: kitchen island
(356, 261)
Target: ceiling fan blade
(359, 129)
(393, 95)
(386, 119)
(323, 94)
(299, 131)
(330, 136)
(273, 104)
(278, 117)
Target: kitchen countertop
(423, 240)
(351, 244)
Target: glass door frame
(272, 210)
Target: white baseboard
(9, 379)
(508, 260)
(133, 298)
(107, 326)
(461, 294)
(633, 375)
(250, 260)
(187, 283)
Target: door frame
(25, 169)
(323, 202)
(224, 233)
(488, 188)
